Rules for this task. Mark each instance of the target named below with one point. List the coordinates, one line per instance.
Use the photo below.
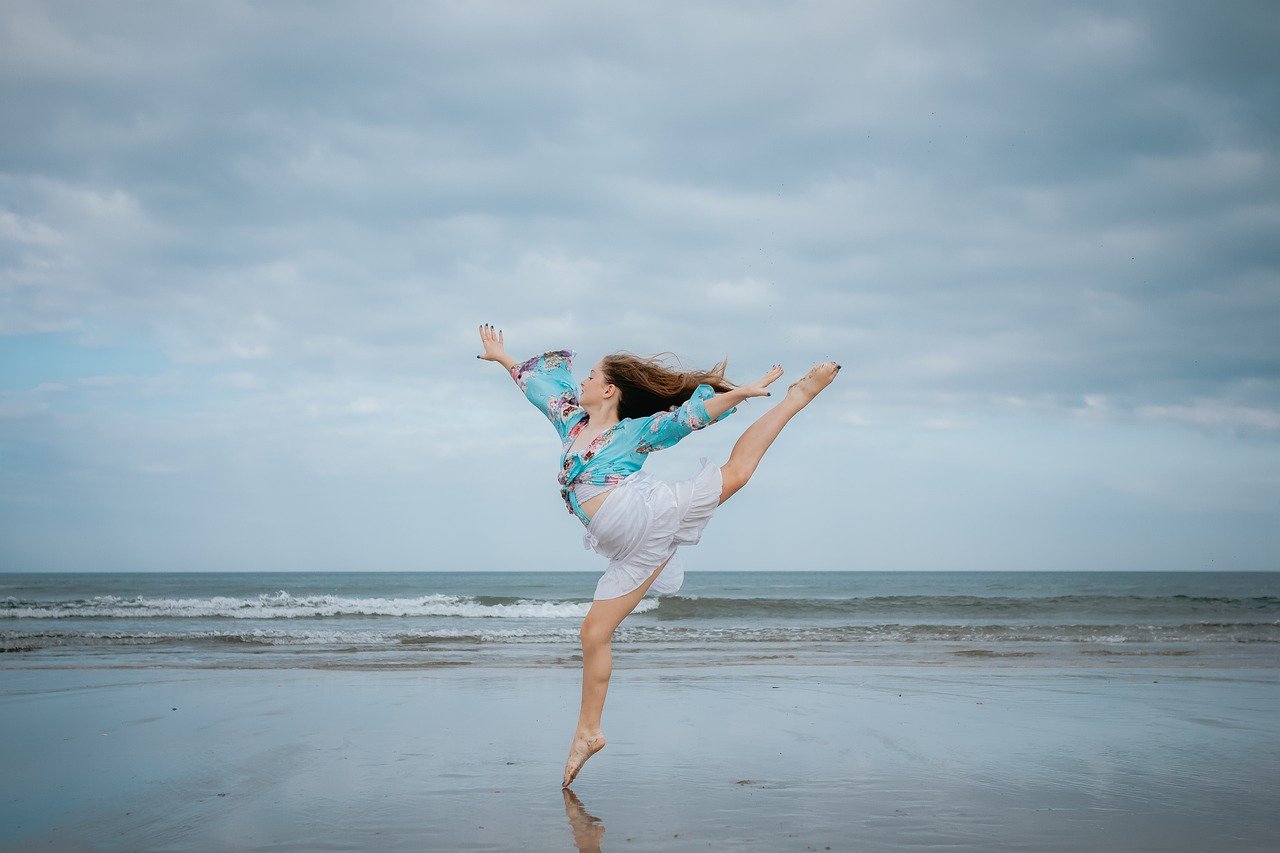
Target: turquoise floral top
(616, 452)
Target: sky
(245, 247)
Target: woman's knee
(594, 633)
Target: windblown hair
(649, 386)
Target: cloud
(15, 406)
(1019, 214)
(242, 381)
(1214, 413)
(749, 294)
(941, 424)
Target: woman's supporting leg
(602, 620)
(750, 447)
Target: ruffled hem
(698, 498)
(678, 513)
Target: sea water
(410, 620)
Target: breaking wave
(282, 605)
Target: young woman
(627, 408)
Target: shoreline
(596, 571)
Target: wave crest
(283, 605)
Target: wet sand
(764, 757)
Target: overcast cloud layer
(244, 249)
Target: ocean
(414, 620)
(753, 711)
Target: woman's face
(595, 389)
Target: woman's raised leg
(750, 447)
(597, 666)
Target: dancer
(627, 408)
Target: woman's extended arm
(495, 347)
(702, 409)
(546, 380)
(726, 400)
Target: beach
(995, 740)
(764, 757)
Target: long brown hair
(649, 386)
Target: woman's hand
(726, 400)
(760, 387)
(494, 347)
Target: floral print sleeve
(666, 428)
(547, 381)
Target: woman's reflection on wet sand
(587, 828)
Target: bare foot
(818, 377)
(584, 746)
(760, 387)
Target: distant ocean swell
(970, 606)
(1198, 632)
(283, 605)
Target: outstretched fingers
(492, 340)
(774, 373)
(760, 387)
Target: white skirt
(643, 522)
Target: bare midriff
(592, 505)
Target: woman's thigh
(608, 614)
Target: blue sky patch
(27, 361)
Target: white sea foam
(291, 637)
(282, 605)
(406, 637)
